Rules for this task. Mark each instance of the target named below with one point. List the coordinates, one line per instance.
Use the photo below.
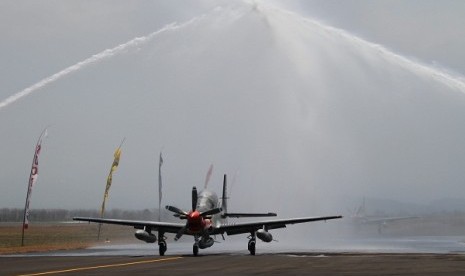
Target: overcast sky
(298, 106)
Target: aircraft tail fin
(224, 207)
(224, 198)
(361, 210)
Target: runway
(238, 246)
(387, 256)
(225, 264)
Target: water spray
(453, 81)
(448, 79)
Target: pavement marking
(100, 266)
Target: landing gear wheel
(162, 248)
(195, 250)
(252, 247)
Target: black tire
(162, 248)
(252, 248)
(195, 250)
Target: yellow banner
(115, 164)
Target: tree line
(53, 215)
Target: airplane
(207, 218)
(359, 217)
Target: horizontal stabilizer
(248, 215)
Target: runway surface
(224, 264)
(387, 256)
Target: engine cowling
(205, 243)
(145, 236)
(264, 235)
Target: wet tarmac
(238, 246)
(377, 256)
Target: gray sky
(299, 111)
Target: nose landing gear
(195, 248)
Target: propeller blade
(176, 210)
(180, 233)
(194, 198)
(179, 216)
(211, 212)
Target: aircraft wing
(385, 220)
(167, 227)
(229, 228)
(250, 227)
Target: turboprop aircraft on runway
(361, 218)
(206, 218)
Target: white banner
(33, 178)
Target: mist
(306, 118)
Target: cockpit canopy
(207, 200)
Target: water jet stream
(108, 53)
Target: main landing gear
(162, 244)
(252, 243)
(162, 248)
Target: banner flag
(32, 180)
(33, 177)
(115, 164)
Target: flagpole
(160, 162)
(34, 172)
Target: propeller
(194, 217)
(180, 233)
(210, 212)
(176, 210)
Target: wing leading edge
(167, 227)
(250, 227)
